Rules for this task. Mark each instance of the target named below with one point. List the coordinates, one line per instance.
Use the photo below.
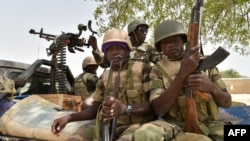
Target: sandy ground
(245, 98)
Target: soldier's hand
(199, 82)
(112, 109)
(118, 107)
(59, 124)
(92, 42)
(190, 61)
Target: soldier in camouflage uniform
(170, 77)
(141, 50)
(131, 105)
(85, 83)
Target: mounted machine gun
(59, 70)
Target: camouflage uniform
(171, 124)
(145, 53)
(85, 84)
(161, 76)
(133, 90)
(99, 58)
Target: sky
(55, 17)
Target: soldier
(141, 50)
(131, 105)
(169, 79)
(85, 83)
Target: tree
(225, 22)
(231, 73)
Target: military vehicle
(44, 76)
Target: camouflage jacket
(162, 75)
(85, 84)
(133, 89)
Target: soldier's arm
(98, 55)
(99, 58)
(144, 108)
(219, 89)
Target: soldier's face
(115, 54)
(92, 68)
(172, 46)
(141, 33)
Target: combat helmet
(116, 35)
(134, 24)
(166, 29)
(89, 60)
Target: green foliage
(231, 73)
(225, 22)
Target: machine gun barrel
(43, 35)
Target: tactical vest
(130, 90)
(80, 87)
(206, 110)
(139, 53)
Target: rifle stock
(191, 116)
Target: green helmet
(166, 29)
(133, 25)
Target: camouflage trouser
(161, 130)
(83, 134)
(86, 134)
(127, 135)
(158, 130)
(216, 131)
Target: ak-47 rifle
(108, 131)
(193, 39)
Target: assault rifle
(193, 39)
(107, 130)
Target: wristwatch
(129, 110)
